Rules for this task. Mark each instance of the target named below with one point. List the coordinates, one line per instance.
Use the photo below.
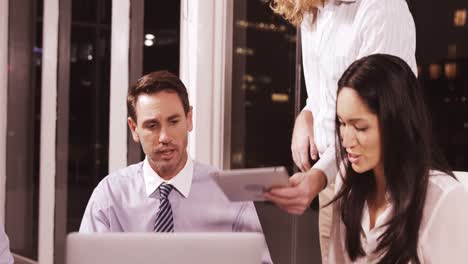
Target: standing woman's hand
(303, 143)
(303, 188)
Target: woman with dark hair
(334, 33)
(396, 201)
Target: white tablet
(249, 184)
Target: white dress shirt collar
(182, 181)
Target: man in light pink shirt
(168, 191)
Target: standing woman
(397, 201)
(334, 34)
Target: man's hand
(303, 143)
(303, 188)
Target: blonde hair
(294, 10)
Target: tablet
(249, 184)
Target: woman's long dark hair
(390, 90)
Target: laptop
(159, 248)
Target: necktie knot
(164, 190)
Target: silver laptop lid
(159, 248)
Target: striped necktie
(164, 221)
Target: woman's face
(360, 132)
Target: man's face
(162, 129)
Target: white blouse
(344, 31)
(443, 234)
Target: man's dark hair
(156, 82)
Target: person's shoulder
(443, 188)
(383, 4)
(117, 183)
(121, 177)
(203, 180)
(202, 170)
(384, 10)
(442, 182)
(384, 17)
(444, 194)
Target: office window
(161, 36)
(267, 92)
(88, 103)
(23, 126)
(442, 56)
(263, 81)
(82, 127)
(154, 45)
